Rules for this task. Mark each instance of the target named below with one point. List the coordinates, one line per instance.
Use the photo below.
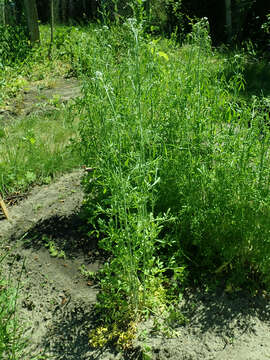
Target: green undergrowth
(37, 147)
(180, 187)
(14, 44)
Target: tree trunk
(56, 11)
(64, 11)
(84, 9)
(93, 9)
(2, 13)
(51, 25)
(32, 20)
(70, 11)
(228, 16)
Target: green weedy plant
(266, 25)
(12, 342)
(37, 147)
(32, 151)
(168, 133)
(216, 180)
(118, 139)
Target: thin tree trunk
(64, 11)
(52, 25)
(84, 6)
(56, 9)
(70, 11)
(32, 21)
(2, 13)
(86, 10)
(228, 16)
(93, 9)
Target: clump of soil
(44, 234)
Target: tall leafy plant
(119, 140)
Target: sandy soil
(56, 300)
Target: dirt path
(62, 198)
(40, 96)
(56, 300)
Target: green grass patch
(34, 149)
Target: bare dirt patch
(56, 300)
(39, 97)
(220, 326)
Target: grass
(178, 139)
(35, 148)
(12, 341)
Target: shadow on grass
(257, 75)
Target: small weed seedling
(53, 250)
(89, 275)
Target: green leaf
(164, 55)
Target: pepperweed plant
(181, 182)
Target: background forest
(229, 20)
